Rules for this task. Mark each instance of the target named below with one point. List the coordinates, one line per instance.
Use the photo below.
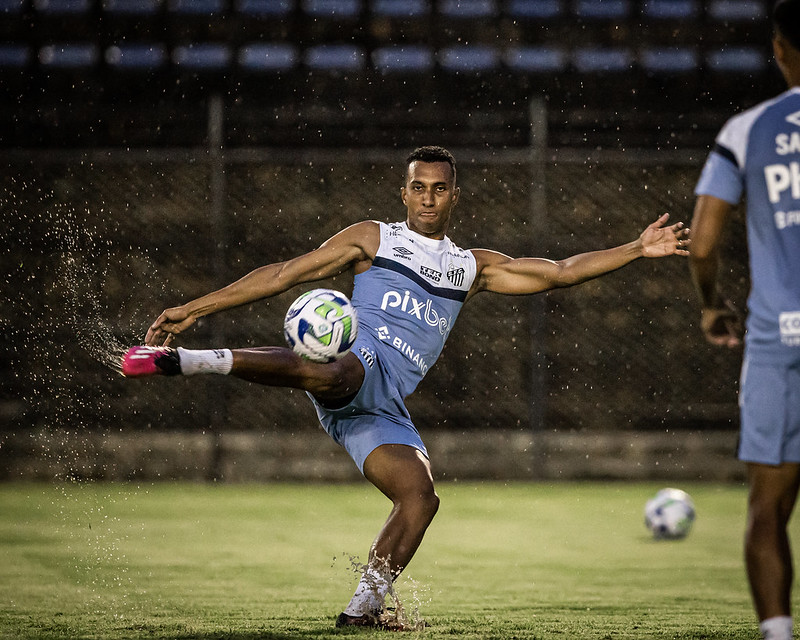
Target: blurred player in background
(758, 153)
(410, 283)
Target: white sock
(370, 595)
(205, 361)
(777, 628)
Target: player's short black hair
(432, 153)
(786, 20)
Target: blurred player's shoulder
(736, 133)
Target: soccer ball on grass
(321, 325)
(669, 515)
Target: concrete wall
(312, 456)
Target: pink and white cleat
(139, 362)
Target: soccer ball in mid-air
(669, 514)
(321, 325)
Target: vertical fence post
(219, 230)
(538, 303)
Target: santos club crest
(456, 275)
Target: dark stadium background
(153, 150)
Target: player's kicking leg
(140, 362)
(274, 366)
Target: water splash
(86, 312)
(59, 322)
(85, 274)
(64, 270)
(394, 615)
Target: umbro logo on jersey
(794, 118)
(456, 275)
(402, 252)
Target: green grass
(544, 561)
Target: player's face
(430, 193)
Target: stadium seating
(603, 10)
(469, 59)
(671, 9)
(522, 36)
(467, 9)
(14, 55)
(665, 60)
(9, 7)
(202, 56)
(535, 9)
(602, 60)
(332, 8)
(62, 6)
(536, 59)
(262, 8)
(335, 57)
(131, 7)
(136, 57)
(69, 55)
(197, 7)
(736, 10)
(400, 8)
(299, 49)
(413, 58)
(268, 57)
(736, 60)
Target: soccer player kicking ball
(410, 283)
(758, 152)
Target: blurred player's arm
(719, 321)
(517, 276)
(357, 243)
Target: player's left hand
(658, 241)
(722, 325)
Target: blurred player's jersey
(410, 297)
(757, 153)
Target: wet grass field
(240, 562)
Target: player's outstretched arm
(356, 243)
(519, 276)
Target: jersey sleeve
(721, 177)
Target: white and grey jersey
(410, 297)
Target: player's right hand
(169, 324)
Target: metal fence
(96, 244)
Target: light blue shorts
(377, 415)
(769, 403)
